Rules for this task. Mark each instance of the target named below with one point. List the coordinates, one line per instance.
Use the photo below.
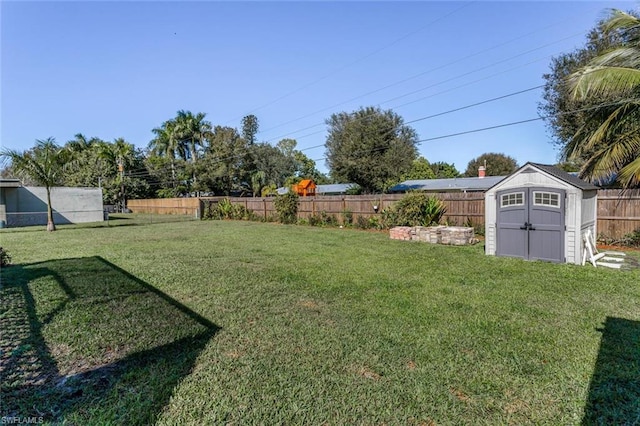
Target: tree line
(190, 156)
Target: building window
(513, 199)
(549, 199)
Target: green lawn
(249, 323)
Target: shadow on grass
(116, 220)
(85, 342)
(614, 391)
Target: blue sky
(119, 69)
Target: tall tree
(563, 114)
(443, 170)
(120, 156)
(496, 164)
(166, 144)
(85, 167)
(80, 143)
(191, 130)
(224, 166)
(420, 169)
(613, 146)
(250, 128)
(44, 164)
(306, 169)
(370, 147)
(273, 162)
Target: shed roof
(454, 184)
(569, 178)
(10, 183)
(566, 177)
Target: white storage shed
(540, 212)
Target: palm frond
(620, 20)
(45, 164)
(603, 80)
(626, 57)
(630, 174)
(611, 126)
(612, 157)
(613, 121)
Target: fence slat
(618, 211)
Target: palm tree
(167, 144)
(615, 143)
(258, 181)
(192, 130)
(119, 155)
(44, 164)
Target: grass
(248, 323)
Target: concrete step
(610, 265)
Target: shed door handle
(526, 226)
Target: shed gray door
(531, 224)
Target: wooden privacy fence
(618, 213)
(461, 208)
(182, 206)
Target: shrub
(5, 257)
(477, 229)
(314, 220)
(389, 217)
(225, 209)
(375, 223)
(362, 222)
(328, 219)
(271, 218)
(322, 219)
(287, 207)
(415, 210)
(347, 218)
(632, 239)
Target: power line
(476, 104)
(427, 117)
(483, 129)
(420, 99)
(469, 83)
(157, 182)
(467, 131)
(445, 65)
(426, 87)
(440, 93)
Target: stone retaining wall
(450, 235)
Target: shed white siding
(490, 222)
(580, 205)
